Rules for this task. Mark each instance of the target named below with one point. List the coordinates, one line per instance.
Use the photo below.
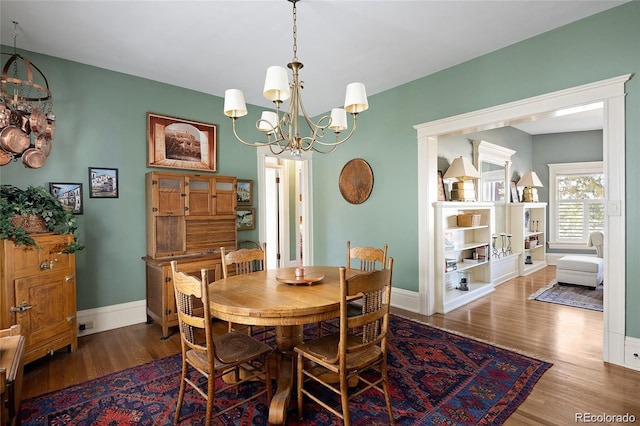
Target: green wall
(596, 48)
(101, 122)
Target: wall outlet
(85, 325)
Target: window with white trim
(576, 202)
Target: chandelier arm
(339, 141)
(253, 144)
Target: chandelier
(282, 127)
(27, 121)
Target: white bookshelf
(529, 224)
(467, 240)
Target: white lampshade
(234, 105)
(276, 84)
(338, 120)
(356, 99)
(461, 169)
(268, 122)
(530, 180)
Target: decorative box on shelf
(450, 265)
(468, 220)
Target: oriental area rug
(436, 377)
(571, 295)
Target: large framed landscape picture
(177, 143)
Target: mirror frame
(487, 152)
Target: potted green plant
(24, 211)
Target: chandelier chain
(15, 35)
(295, 32)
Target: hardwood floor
(570, 338)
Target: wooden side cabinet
(189, 214)
(38, 292)
(161, 302)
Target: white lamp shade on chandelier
(234, 105)
(276, 84)
(282, 126)
(356, 99)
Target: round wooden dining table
(261, 298)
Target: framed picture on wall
(244, 192)
(103, 183)
(69, 195)
(245, 218)
(515, 198)
(177, 143)
(442, 195)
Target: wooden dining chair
(359, 346)
(245, 261)
(366, 258)
(363, 258)
(212, 356)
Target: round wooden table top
(259, 298)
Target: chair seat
(326, 349)
(231, 348)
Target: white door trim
(611, 92)
(305, 164)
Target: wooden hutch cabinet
(188, 218)
(38, 292)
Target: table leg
(287, 337)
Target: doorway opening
(284, 202)
(611, 92)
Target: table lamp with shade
(530, 181)
(462, 170)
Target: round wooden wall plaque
(356, 181)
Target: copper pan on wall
(14, 139)
(51, 126)
(34, 158)
(38, 121)
(5, 157)
(43, 144)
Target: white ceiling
(210, 46)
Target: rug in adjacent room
(571, 295)
(436, 377)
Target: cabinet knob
(69, 278)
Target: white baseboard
(632, 353)
(405, 299)
(110, 317)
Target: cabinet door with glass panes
(463, 255)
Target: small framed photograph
(245, 218)
(515, 198)
(244, 192)
(176, 143)
(69, 195)
(442, 196)
(103, 183)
